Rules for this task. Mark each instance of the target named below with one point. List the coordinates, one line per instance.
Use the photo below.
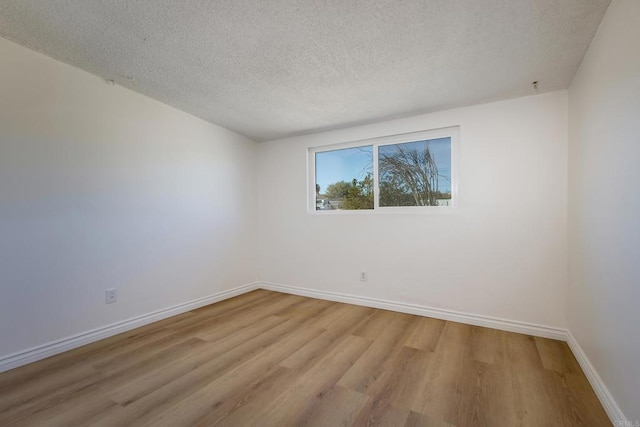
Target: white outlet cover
(111, 296)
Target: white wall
(503, 254)
(604, 204)
(101, 187)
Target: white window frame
(448, 132)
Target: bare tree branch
(415, 171)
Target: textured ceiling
(269, 69)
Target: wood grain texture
(270, 359)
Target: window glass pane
(344, 179)
(415, 173)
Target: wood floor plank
(294, 402)
(403, 379)
(265, 358)
(426, 334)
(136, 367)
(583, 401)
(379, 322)
(338, 406)
(440, 396)
(130, 355)
(306, 309)
(471, 399)
(372, 414)
(416, 419)
(502, 399)
(392, 329)
(200, 403)
(556, 355)
(340, 315)
(99, 382)
(483, 344)
(232, 314)
(242, 342)
(53, 397)
(391, 401)
(263, 376)
(537, 405)
(228, 324)
(81, 409)
(314, 350)
(84, 355)
(166, 392)
(240, 409)
(244, 301)
(28, 391)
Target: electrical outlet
(111, 295)
(364, 276)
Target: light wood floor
(266, 358)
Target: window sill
(443, 210)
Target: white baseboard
(33, 354)
(608, 402)
(421, 310)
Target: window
(410, 172)
(344, 179)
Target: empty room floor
(266, 358)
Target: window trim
(452, 132)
